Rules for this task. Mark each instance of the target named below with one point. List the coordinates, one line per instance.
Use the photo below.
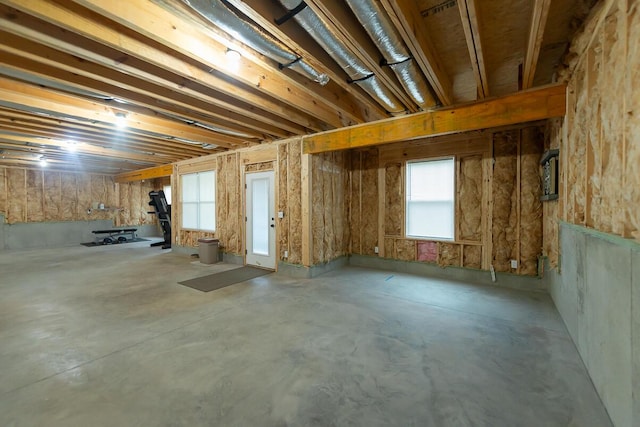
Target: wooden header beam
(521, 107)
(149, 173)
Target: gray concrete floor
(106, 337)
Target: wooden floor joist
(522, 107)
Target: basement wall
(592, 233)
(498, 215)
(44, 208)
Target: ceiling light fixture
(121, 120)
(71, 145)
(43, 161)
(233, 55)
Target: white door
(260, 219)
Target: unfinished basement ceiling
(71, 70)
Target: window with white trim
(198, 197)
(430, 199)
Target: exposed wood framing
(471, 25)
(307, 209)
(536, 34)
(522, 107)
(406, 17)
(149, 173)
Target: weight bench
(115, 235)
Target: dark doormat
(220, 280)
(92, 244)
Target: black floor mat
(220, 280)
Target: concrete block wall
(597, 292)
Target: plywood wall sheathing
(505, 233)
(469, 197)
(394, 201)
(530, 205)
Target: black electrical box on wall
(550, 165)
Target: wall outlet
(281, 214)
(514, 263)
(286, 254)
(376, 249)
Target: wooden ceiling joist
(471, 26)
(521, 107)
(534, 42)
(182, 36)
(406, 17)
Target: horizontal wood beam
(522, 107)
(149, 173)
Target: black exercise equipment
(116, 235)
(163, 210)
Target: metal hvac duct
(358, 72)
(216, 12)
(386, 37)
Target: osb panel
(294, 185)
(52, 196)
(389, 247)
(393, 204)
(68, 197)
(369, 221)
(35, 196)
(504, 200)
(17, 195)
(427, 251)
(472, 256)
(259, 167)
(355, 221)
(530, 205)
(283, 191)
(470, 198)
(406, 249)
(632, 126)
(3, 192)
(448, 254)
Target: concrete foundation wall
(597, 293)
(59, 234)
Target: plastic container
(208, 250)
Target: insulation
(125, 213)
(3, 192)
(234, 214)
(448, 254)
(505, 234)
(394, 206)
(318, 207)
(612, 82)
(427, 251)
(355, 218)
(530, 205)
(369, 221)
(222, 202)
(283, 196)
(259, 167)
(632, 126)
(294, 185)
(83, 182)
(390, 247)
(594, 149)
(406, 249)
(17, 195)
(470, 199)
(35, 196)
(472, 256)
(69, 196)
(550, 213)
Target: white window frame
(194, 200)
(409, 198)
